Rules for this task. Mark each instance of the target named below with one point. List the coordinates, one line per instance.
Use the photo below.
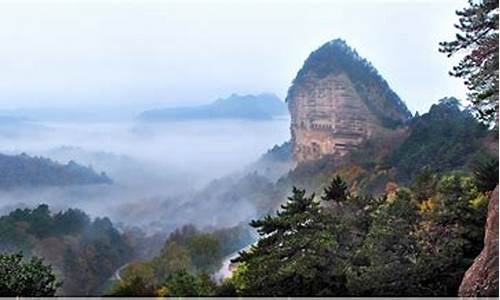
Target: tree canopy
(20, 277)
(400, 244)
(478, 40)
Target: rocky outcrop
(337, 101)
(328, 117)
(481, 280)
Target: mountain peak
(337, 57)
(338, 100)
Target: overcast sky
(164, 53)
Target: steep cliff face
(337, 101)
(481, 280)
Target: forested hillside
(434, 140)
(26, 171)
(416, 241)
(362, 198)
(407, 220)
(83, 252)
(184, 265)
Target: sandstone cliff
(481, 280)
(338, 100)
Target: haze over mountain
(359, 196)
(252, 107)
(25, 171)
(12, 126)
(145, 52)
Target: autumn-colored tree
(478, 38)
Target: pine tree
(478, 25)
(388, 253)
(485, 170)
(296, 255)
(337, 191)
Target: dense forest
(184, 264)
(416, 240)
(432, 140)
(26, 171)
(436, 140)
(412, 241)
(83, 252)
(415, 232)
(405, 214)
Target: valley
(307, 149)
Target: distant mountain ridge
(254, 107)
(12, 126)
(26, 171)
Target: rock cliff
(337, 101)
(481, 280)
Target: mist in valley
(79, 100)
(158, 169)
(157, 148)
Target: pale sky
(144, 54)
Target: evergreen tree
(450, 233)
(485, 170)
(205, 252)
(424, 184)
(182, 284)
(296, 255)
(387, 255)
(478, 37)
(26, 278)
(337, 191)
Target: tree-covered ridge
(281, 152)
(183, 265)
(83, 252)
(337, 57)
(409, 242)
(27, 171)
(415, 241)
(434, 140)
(446, 138)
